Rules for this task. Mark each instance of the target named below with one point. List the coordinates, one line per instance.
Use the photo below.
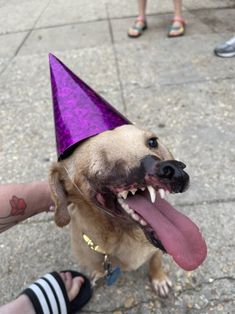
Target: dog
(112, 188)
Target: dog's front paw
(95, 277)
(162, 287)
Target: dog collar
(111, 274)
(92, 245)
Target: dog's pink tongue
(179, 235)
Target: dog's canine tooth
(135, 217)
(143, 222)
(152, 193)
(162, 193)
(133, 191)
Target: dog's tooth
(120, 200)
(152, 193)
(162, 193)
(143, 188)
(143, 222)
(135, 217)
(127, 209)
(123, 194)
(133, 191)
(131, 211)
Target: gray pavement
(176, 87)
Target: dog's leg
(159, 280)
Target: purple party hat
(79, 112)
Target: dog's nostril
(168, 172)
(165, 170)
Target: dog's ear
(58, 194)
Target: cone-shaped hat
(79, 112)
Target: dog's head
(125, 173)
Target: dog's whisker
(79, 190)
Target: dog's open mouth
(164, 226)
(142, 199)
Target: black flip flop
(49, 296)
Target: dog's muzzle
(171, 172)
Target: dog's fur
(104, 160)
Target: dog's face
(125, 173)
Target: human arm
(19, 201)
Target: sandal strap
(140, 18)
(139, 27)
(48, 295)
(180, 20)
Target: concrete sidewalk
(176, 87)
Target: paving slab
(122, 8)
(3, 63)
(27, 77)
(157, 28)
(10, 43)
(58, 12)
(27, 141)
(177, 88)
(193, 61)
(197, 122)
(220, 21)
(203, 4)
(20, 15)
(66, 38)
(206, 290)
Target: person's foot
(227, 49)
(138, 28)
(177, 27)
(65, 292)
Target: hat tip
(51, 57)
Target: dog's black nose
(172, 171)
(169, 169)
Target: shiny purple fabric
(79, 112)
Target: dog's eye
(152, 142)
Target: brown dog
(114, 184)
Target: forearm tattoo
(17, 208)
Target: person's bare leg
(20, 201)
(140, 20)
(23, 305)
(178, 21)
(177, 8)
(142, 7)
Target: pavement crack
(32, 28)
(24, 39)
(207, 202)
(200, 285)
(116, 60)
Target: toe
(162, 287)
